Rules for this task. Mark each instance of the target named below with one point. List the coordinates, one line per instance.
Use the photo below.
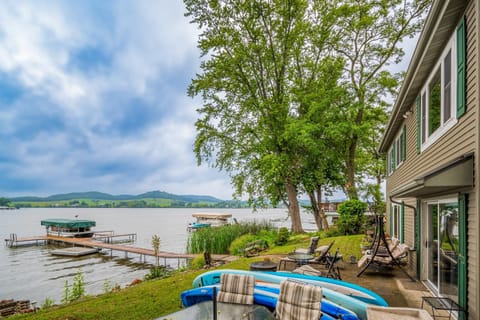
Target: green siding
(402, 223)
(462, 255)
(390, 224)
(461, 68)
(418, 232)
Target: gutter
(417, 236)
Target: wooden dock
(97, 243)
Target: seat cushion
(236, 288)
(298, 301)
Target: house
(432, 145)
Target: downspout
(417, 234)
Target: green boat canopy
(68, 223)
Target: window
(396, 221)
(443, 95)
(397, 153)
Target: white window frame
(444, 125)
(396, 221)
(397, 144)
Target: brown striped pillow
(236, 288)
(298, 301)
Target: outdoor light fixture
(407, 114)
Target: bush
(352, 217)
(198, 262)
(282, 236)
(237, 246)
(333, 232)
(159, 272)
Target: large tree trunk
(293, 208)
(317, 211)
(350, 186)
(321, 212)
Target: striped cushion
(298, 301)
(236, 288)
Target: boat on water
(208, 219)
(73, 228)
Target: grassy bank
(152, 299)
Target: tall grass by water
(218, 239)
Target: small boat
(206, 219)
(74, 251)
(351, 302)
(266, 296)
(72, 228)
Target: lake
(31, 272)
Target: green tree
(371, 33)
(4, 202)
(262, 61)
(352, 217)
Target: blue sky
(93, 97)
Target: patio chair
(236, 288)
(298, 301)
(311, 248)
(324, 253)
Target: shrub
(159, 272)
(198, 262)
(352, 217)
(282, 236)
(237, 245)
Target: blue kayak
(266, 296)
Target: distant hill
(95, 195)
(152, 199)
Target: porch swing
(382, 254)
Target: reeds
(217, 240)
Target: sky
(93, 98)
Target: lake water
(31, 272)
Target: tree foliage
(295, 93)
(371, 34)
(352, 217)
(265, 62)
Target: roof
(450, 177)
(212, 215)
(68, 223)
(438, 28)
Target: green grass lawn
(152, 299)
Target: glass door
(442, 247)
(432, 245)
